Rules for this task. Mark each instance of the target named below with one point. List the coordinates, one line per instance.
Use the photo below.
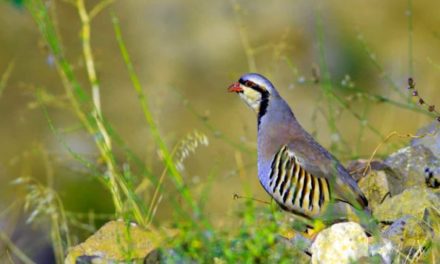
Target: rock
(409, 165)
(115, 242)
(357, 167)
(429, 137)
(340, 243)
(375, 187)
(290, 240)
(384, 251)
(418, 163)
(397, 228)
(412, 204)
(300, 242)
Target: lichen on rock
(375, 187)
(412, 201)
(409, 165)
(115, 242)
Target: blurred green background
(186, 53)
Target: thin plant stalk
(104, 145)
(410, 39)
(142, 96)
(14, 249)
(5, 77)
(326, 84)
(248, 50)
(78, 99)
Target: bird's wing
(317, 161)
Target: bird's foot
(318, 226)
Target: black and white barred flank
(294, 188)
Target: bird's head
(255, 90)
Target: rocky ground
(403, 194)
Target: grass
(44, 201)
(5, 77)
(256, 237)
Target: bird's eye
(250, 84)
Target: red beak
(235, 87)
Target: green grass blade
(142, 96)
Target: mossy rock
(116, 242)
(409, 165)
(375, 187)
(413, 204)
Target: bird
(299, 174)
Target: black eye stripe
(252, 85)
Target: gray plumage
(300, 174)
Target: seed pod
(421, 101)
(411, 83)
(431, 108)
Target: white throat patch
(252, 98)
